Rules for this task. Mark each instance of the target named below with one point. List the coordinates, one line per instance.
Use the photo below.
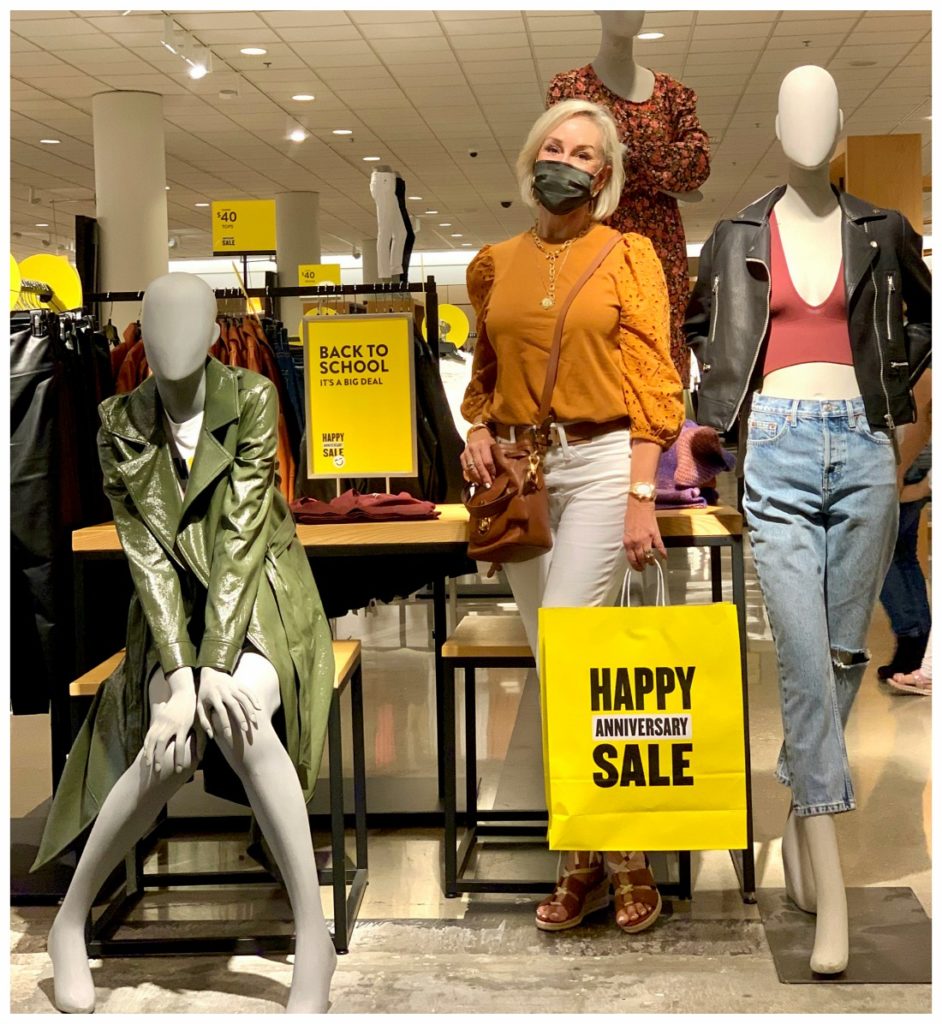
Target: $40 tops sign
(359, 377)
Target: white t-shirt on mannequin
(185, 437)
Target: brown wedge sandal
(580, 891)
(633, 886)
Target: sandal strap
(564, 892)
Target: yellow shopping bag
(643, 737)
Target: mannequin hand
(641, 534)
(171, 722)
(477, 463)
(219, 695)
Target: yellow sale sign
(359, 375)
(643, 728)
(318, 273)
(244, 227)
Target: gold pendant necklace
(557, 260)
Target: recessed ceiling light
(50, 142)
(651, 35)
(417, 199)
(446, 224)
(166, 188)
(372, 158)
(431, 213)
(201, 204)
(928, 117)
(253, 51)
(303, 97)
(42, 225)
(342, 131)
(457, 235)
(298, 135)
(466, 243)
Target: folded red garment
(353, 507)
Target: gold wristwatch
(643, 492)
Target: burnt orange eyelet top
(615, 358)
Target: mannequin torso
(809, 222)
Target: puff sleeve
(653, 393)
(480, 389)
(673, 156)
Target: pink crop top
(799, 332)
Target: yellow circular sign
(453, 325)
(16, 279)
(59, 274)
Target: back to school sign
(643, 739)
(359, 375)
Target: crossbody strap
(552, 368)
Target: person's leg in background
(904, 596)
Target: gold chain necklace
(555, 265)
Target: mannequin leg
(129, 809)
(796, 861)
(271, 784)
(829, 955)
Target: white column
(370, 273)
(130, 194)
(297, 217)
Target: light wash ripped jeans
(821, 505)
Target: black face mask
(560, 187)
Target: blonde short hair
(613, 151)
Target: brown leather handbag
(509, 521)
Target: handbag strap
(552, 368)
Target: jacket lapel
(221, 408)
(150, 477)
(860, 247)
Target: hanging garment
(36, 640)
(407, 225)
(390, 230)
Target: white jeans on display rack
(587, 485)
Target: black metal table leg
(359, 765)
(450, 768)
(471, 749)
(440, 632)
(338, 856)
(747, 868)
(716, 573)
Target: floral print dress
(666, 148)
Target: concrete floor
(413, 951)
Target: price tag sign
(244, 227)
(318, 273)
(359, 377)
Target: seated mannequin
(232, 631)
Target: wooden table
(715, 527)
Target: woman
(616, 405)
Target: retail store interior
(291, 103)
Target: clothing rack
(427, 287)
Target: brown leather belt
(577, 432)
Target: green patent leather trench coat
(213, 568)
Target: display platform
(890, 938)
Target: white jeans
(587, 486)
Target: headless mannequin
(808, 124)
(618, 70)
(390, 229)
(178, 327)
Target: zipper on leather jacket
(888, 418)
(714, 318)
(765, 327)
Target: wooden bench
(347, 674)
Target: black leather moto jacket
(889, 310)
